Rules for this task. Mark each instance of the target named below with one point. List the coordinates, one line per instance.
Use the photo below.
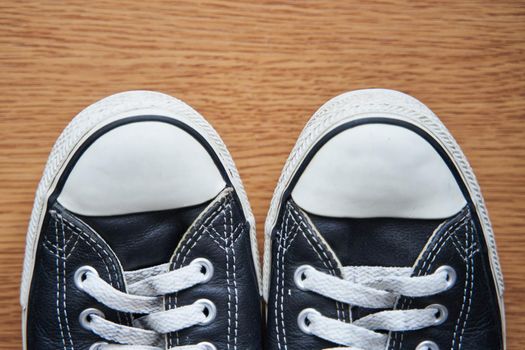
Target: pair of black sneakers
(142, 237)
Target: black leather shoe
(378, 237)
(141, 234)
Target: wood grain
(257, 71)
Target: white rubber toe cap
(139, 167)
(378, 170)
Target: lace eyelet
(206, 346)
(85, 317)
(451, 275)
(302, 320)
(427, 345)
(209, 310)
(207, 266)
(80, 275)
(97, 346)
(441, 313)
(299, 276)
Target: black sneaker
(377, 236)
(141, 234)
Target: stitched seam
(441, 242)
(227, 277)
(51, 250)
(469, 277)
(282, 297)
(65, 287)
(286, 237)
(276, 301)
(91, 242)
(210, 218)
(432, 253)
(214, 235)
(58, 307)
(470, 297)
(458, 247)
(330, 266)
(283, 237)
(184, 251)
(235, 281)
(50, 247)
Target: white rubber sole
(379, 103)
(94, 117)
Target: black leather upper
(221, 234)
(166, 226)
(352, 239)
(295, 243)
(474, 318)
(473, 322)
(114, 244)
(55, 303)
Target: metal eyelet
(451, 275)
(441, 313)
(206, 268)
(303, 322)
(209, 310)
(427, 345)
(206, 346)
(85, 317)
(299, 276)
(97, 346)
(80, 275)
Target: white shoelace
(372, 287)
(145, 296)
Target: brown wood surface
(257, 71)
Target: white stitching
(468, 277)
(87, 238)
(440, 242)
(113, 266)
(275, 307)
(65, 286)
(59, 313)
(471, 293)
(227, 277)
(184, 250)
(234, 280)
(279, 298)
(321, 247)
(173, 300)
(283, 271)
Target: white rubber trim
(379, 103)
(91, 119)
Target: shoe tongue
(143, 240)
(387, 242)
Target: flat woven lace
(145, 296)
(376, 288)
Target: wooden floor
(258, 71)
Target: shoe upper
(377, 243)
(145, 208)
